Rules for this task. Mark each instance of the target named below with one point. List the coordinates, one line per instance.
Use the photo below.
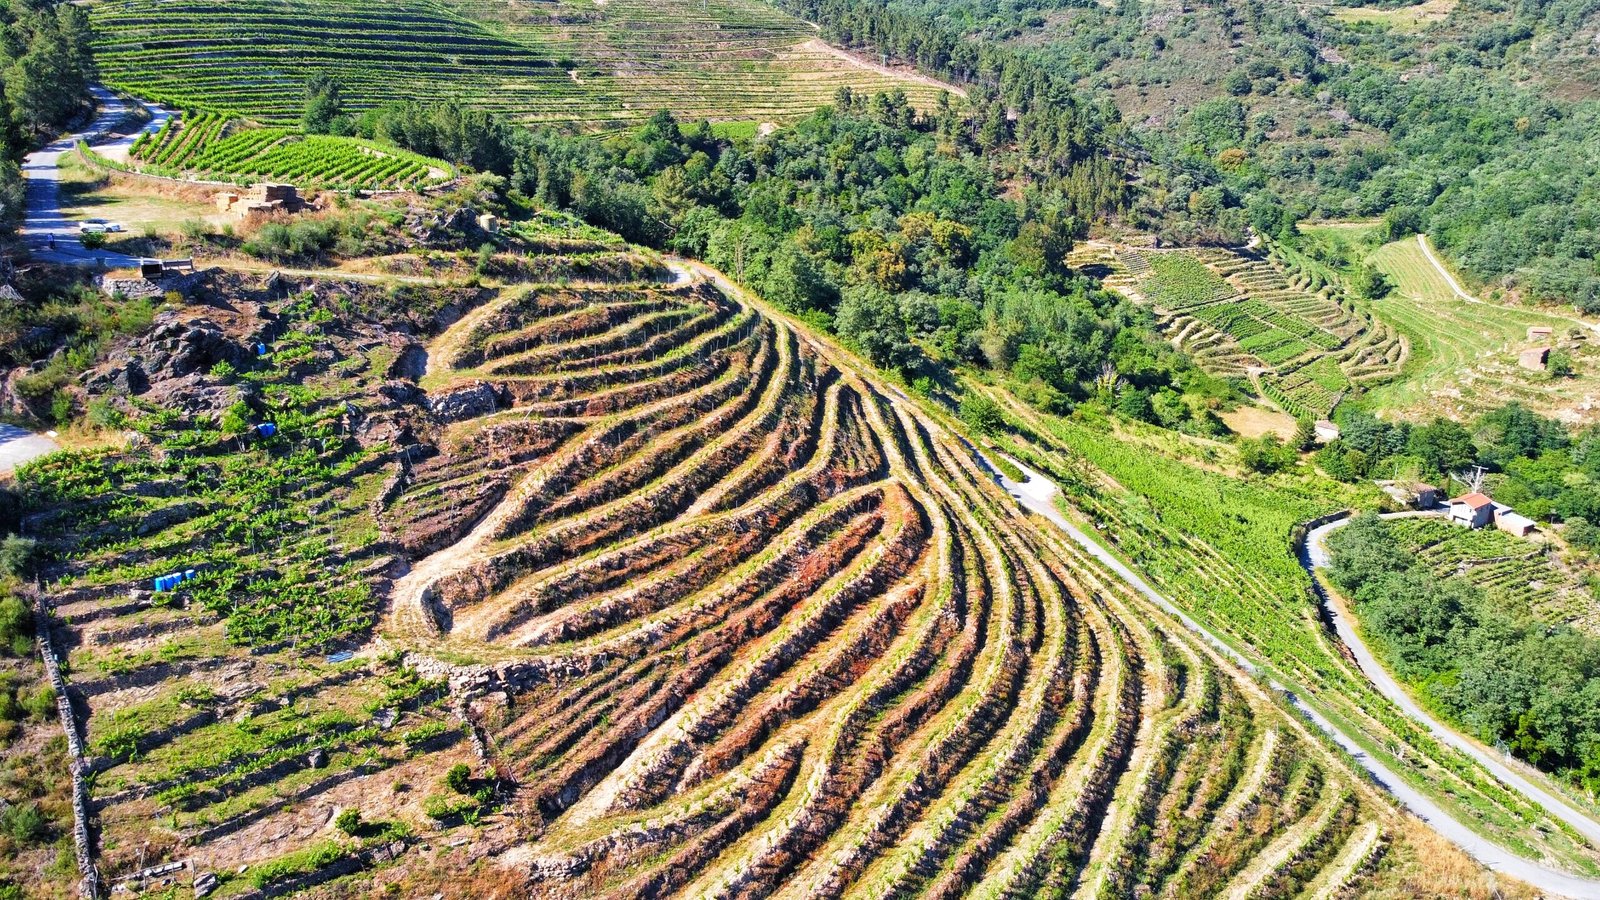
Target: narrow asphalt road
(18, 446)
(42, 169)
(1314, 555)
(1038, 494)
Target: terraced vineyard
(215, 147)
(1525, 576)
(1278, 318)
(593, 65)
(759, 627)
(1217, 545)
(670, 597)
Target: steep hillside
(592, 65)
(627, 589)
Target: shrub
(24, 823)
(92, 240)
(16, 626)
(102, 414)
(195, 230)
(348, 821)
(459, 778)
(120, 743)
(40, 704)
(1266, 454)
(981, 414)
(16, 553)
(61, 407)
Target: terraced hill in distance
(1465, 358)
(1272, 316)
(592, 65)
(631, 589)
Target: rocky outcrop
(465, 403)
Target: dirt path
(906, 73)
(1455, 287)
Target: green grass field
(593, 65)
(1464, 354)
(1403, 18)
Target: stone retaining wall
(89, 886)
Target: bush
(16, 553)
(348, 821)
(16, 626)
(92, 240)
(24, 823)
(195, 230)
(459, 778)
(1266, 454)
(982, 414)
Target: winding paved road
(1314, 555)
(18, 446)
(1038, 494)
(42, 170)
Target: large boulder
(465, 403)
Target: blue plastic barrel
(158, 584)
(267, 429)
(188, 574)
(261, 349)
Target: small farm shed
(1515, 523)
(1413, 495)
(1534, 360)
(1473, 510)
(1326, 431)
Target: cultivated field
(1219, 545)
(1275, 317)
(1465, 352)
(695, 606)
(758, 626)
(215, 147)
(1400, 18)
(593, 65)
(1524, 576)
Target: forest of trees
(895, 229)
(1511, 680)
(1457, 132)
(46, 64)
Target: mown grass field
(591, 65)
